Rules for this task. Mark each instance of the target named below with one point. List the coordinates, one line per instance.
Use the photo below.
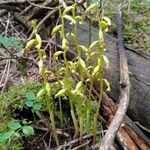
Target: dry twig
(124, 90)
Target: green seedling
(31, 101)
(81, 109)
(17, 129)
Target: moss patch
(135, 24)
(13, 99)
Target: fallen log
(123, 135)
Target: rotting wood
(134, 126)
(139, 142)
(125, 141)
(108, 111)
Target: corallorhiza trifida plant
(83, 114)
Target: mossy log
(139, 68)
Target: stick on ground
(124, 90)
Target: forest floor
(21, 108)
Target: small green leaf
(96, 69)
(101, 34)
(57, 54)
(93, 44)
(105, 23)
(30, 44)
(107, 84)
(49, 72)
(79, 18)
(14, 125)
(91, 7)
(82, 63)
(79, 84)
(104, 26)
(29, 103)
(107, 20)
(37, 106)
(24, 121)
(34, 23)
(42, 53)
(65, 43)
(106, 61)
(67, 9)
(38, 38)
(56, 29)
(28, 130)
(40, 93)
(41, 66)
(39, 41)
(48, 89)
(70, 19)
(61, 92)
(6, 136)
(85, 49)
(30, 96)
(92, 54)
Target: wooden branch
(40, 6)
(22, 20)
(37, 10)
(124, 90)
(42, 21)
(14, 2)
(73, 142)
(108, 111)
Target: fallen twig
(137, 139)
(73, 142)
(42, 21)
(14, 2)
(39, 5)
(124, 90)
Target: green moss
(135, 24)
(14, 98)
(10, 100)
